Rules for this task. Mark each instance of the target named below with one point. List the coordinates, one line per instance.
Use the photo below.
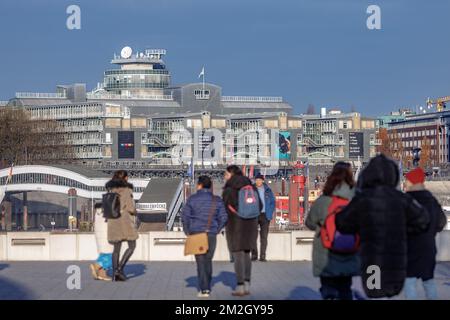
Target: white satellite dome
(126, 52)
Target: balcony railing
(40, 95)
(87, 155)
(251, 99)
(69, 115)
(85, 141)
(110, 96)
(80, 128)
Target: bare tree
(425, 155)
(27, 141)
(392, 145)
(385, 146)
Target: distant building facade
(137, 119)
(415, 131)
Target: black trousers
(204, 264)
(242, 266)
(119, 266)
(336, 288)
(263, 234)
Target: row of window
(415, 133)
(417, 143)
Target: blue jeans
(411, 290)
(204, 264)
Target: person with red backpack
(383, 216)
(334, 257)
(243, 208)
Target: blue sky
(308, 51)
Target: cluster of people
(196, 216)
(395, 231)
(241, 234)
(390, 233)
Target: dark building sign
(355, 144)
(126, 144)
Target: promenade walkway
(171, 280)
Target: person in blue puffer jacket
(268, 207)
(195, 217)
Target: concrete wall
(158, 246)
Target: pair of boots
(98, 273)
(242, 289)
(118, 274)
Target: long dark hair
(120, 175)
(341, 173)
(234, 170)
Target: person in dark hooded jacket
(422, 246)
(382, 215)
(241, 233)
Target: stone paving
(172, 280)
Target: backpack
(248, 205)
(111, 205)
(331, 238)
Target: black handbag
(111, 205)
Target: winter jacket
(325, 262)
(123, 228)
(269, 201)
(422, 246)
(241, 233)
(197, 210)
(382, 215)
(101, 233)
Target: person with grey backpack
(243, 208)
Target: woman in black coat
(422, 246)
(241, 233)
(382, 215)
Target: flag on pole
(202, 73)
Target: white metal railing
(251, 99)
(69, 115)
(84, 155)
(110, 96)
(3, 103)
(85, 141)
(40, 95)
(80, 128)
